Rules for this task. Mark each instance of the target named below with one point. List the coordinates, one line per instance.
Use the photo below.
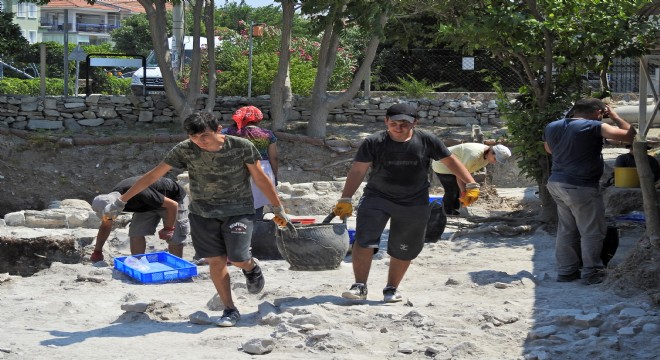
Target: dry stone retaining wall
(76, 113)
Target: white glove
(114, 209)
(281, 218)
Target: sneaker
(568, 278)
(595, 278)
(97, 255)
(358, 291)
(391, 295)
(229, 318)
(254, 279)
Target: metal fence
(471, 73)
(455, 71)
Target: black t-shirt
(399, 170)
(152, 197)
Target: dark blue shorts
(407, 226)
(227, 236)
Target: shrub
(414, 88)
(232, 63)
(264, 69)
(31, 86)
(115, 86)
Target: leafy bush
(118, 86)
(414, 88)
(114, 86)
(264, 69)
(232, 63)
(31, 86)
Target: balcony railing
(81, 27)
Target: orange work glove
(281, 219)
(344, 208)
(470, 195)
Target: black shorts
(407, 226)
(227, 236)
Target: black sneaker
(254, 279)
(568, 278)
(358, 291)
(229, 318)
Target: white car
(154, 78)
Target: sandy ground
(483, 296)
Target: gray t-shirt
(219, 181)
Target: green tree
(12, 40)
(547, 43)
(331, 19)
(133, 36)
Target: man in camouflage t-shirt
(222, 207)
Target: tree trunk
(209, 23)
(322, 102)
(194, 82)
(548, 213)
(280, 92)
(649, 194)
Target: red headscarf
(246, 115)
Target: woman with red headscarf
(247, 120)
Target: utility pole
(66, 53)
(177, 37)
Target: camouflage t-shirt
(219, 181)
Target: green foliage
(526, 122)
(111, 86)
(264, 68)
(232, 63)
(134, 35)
(31, 86)
(549, 44)
(10, 33)
(414, 88)
(235, 16)
(117, 86)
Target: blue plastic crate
(163, 266)
(432, 198)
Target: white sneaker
(229, 318)
(391, 295)
(358, 291)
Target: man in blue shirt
(576, 144)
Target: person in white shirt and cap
(475, 156)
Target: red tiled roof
(131, 5)
(77, 4)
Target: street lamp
(256, 30)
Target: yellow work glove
(344, 208)
(470, 195)
(281, 218)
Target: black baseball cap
(402, 112)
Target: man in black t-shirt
(163, 200)
(396, 191)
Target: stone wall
(76, 113)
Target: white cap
(502, 153)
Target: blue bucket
(351, 236)
(433, 198)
